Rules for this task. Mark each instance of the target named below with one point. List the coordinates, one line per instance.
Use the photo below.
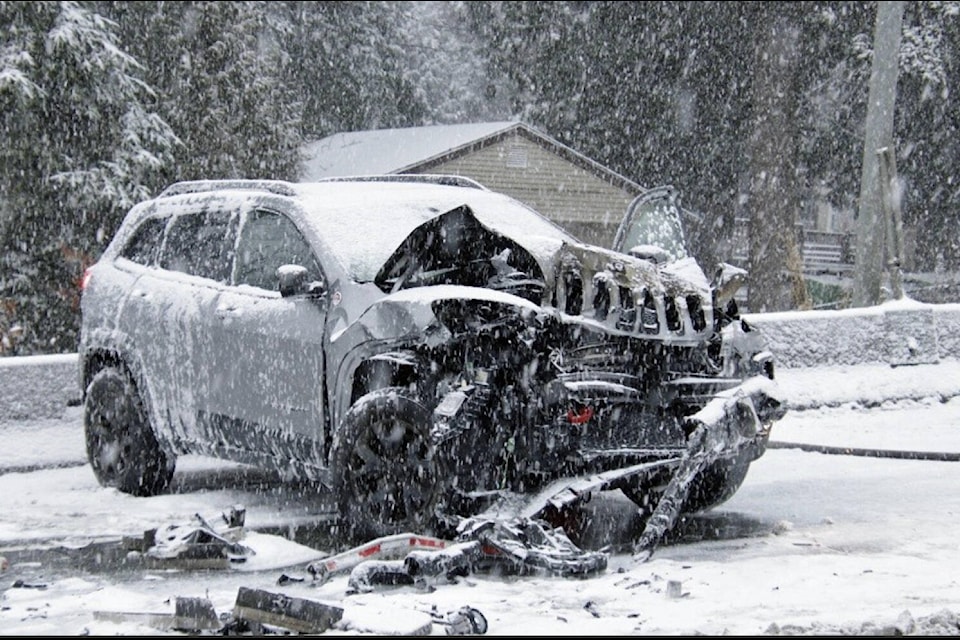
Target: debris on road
(465, 621)
(20, 584)
(278, 609)
(190, 615)
(199, 545)
(524, 546)
(520, 546)
(392, 547)
(370, 574)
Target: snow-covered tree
(344, 61)
(80, 140)
(216, 67)
(443, 61)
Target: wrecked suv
(417, 344)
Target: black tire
(121, 446)
(716, 484)
(384, 468)
(712, 486)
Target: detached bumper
(736, 419)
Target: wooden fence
(824, 252)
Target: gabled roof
(383, 151)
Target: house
(574, 191)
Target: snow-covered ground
(812, 543)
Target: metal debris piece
(385, 548)
(674, 589)
(370, 574)
(236, 516)
(278, 609)
(20, 584)
(465, 621)
(520, 546)
(457, 560)
(195, 614)
(190, 614)
(198, 545)
(525, 546)
(284, 579)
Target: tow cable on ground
(937, 456)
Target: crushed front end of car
(553, 374)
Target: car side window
(201, 244)
(144, 245)
(267, 241)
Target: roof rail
(278, 187)
(427, 178)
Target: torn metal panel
(278, 609)
(190, 614)
(384, 548)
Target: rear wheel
(121, 446)
(385, 472)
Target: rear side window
(144, 245)
(269, 240)
(201, 244)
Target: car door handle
(228, 311)
(140, 293)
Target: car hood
(457, 248)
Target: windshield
(364, 223)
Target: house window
(517, 157)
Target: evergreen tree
(443, 62)
(80, 140)
(344, 62)
(215, 65)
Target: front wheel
(384, 468)
(121, 446)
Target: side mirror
(727, 280)
(293, 282)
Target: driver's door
(270, 399)
(651, 228)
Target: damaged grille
(641, 311)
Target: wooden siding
(571, 196)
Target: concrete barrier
(895, 333)
(38, 386)
(900, 332)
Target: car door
(195, 264)
(270, 400)
(651, 227)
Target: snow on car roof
(364, 222)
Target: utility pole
(893, 219)
(878, 134)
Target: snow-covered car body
(410, 342)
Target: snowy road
(812, 543)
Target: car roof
(363, 219)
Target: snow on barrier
(34, 387)
(900, 332)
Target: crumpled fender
(400, 320)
